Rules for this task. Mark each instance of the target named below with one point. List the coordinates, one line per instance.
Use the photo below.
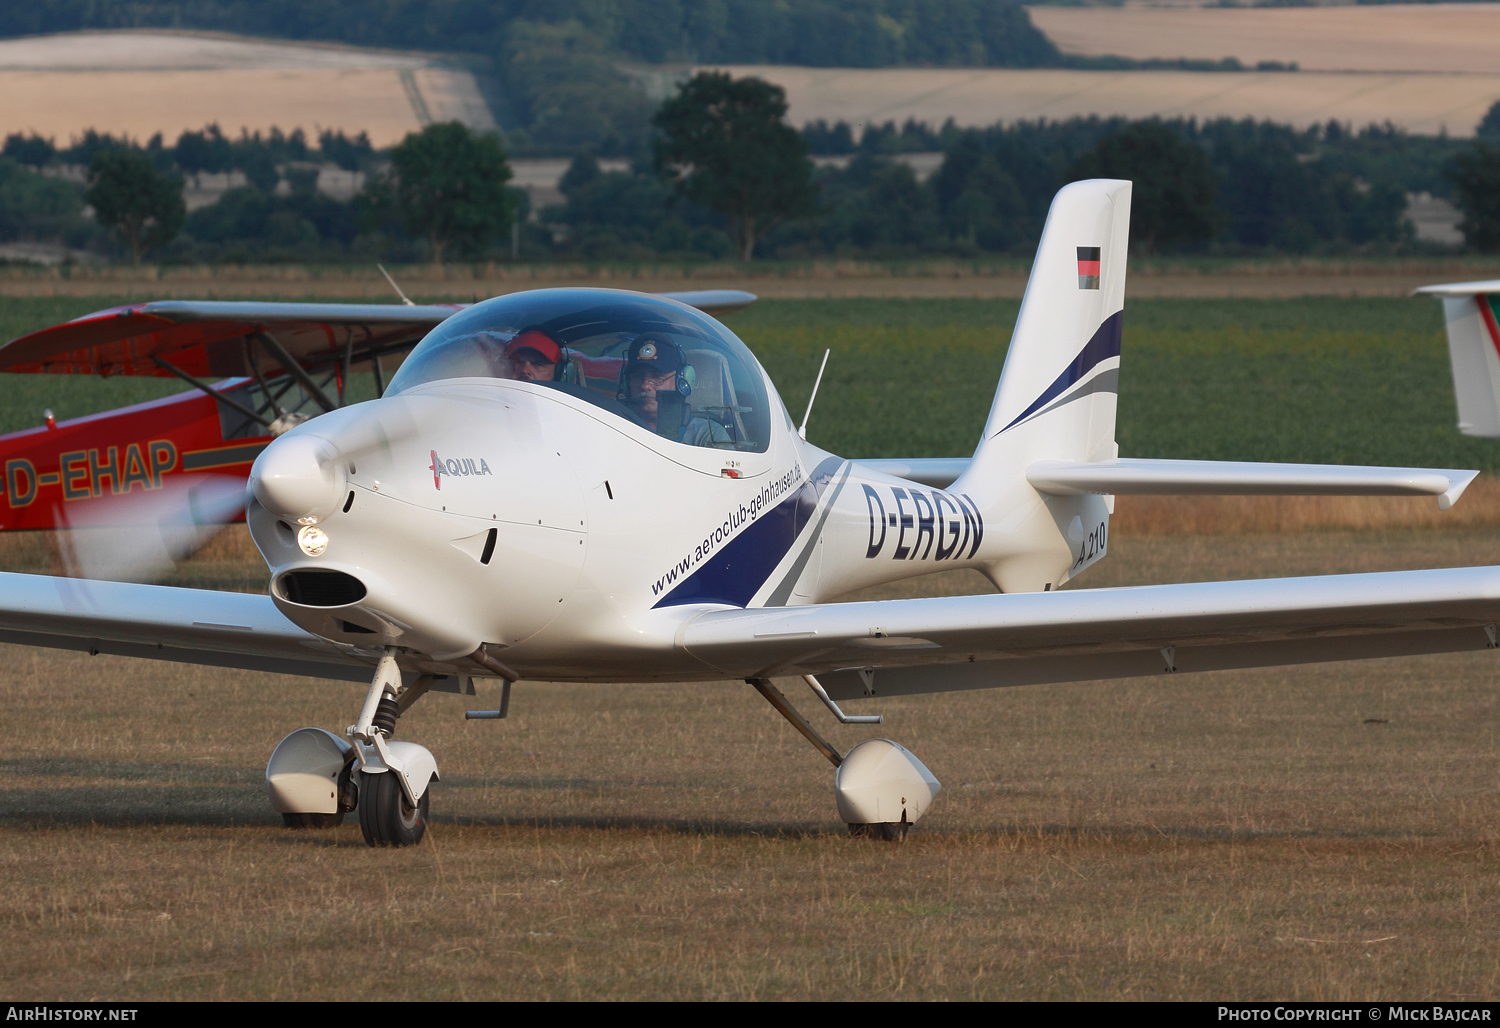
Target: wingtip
(1458, 481)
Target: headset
(566, 368)
(682, 380)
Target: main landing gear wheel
(386, 816)
(874, 781)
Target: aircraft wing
(206, 338)
(899, 647)
(880, 648)
(193, 626)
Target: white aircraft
(651, 512)
(1474, 351)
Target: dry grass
(1218, 515)
(1316, 833)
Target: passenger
(655, 383)
(534, 356)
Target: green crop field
(1316, 379)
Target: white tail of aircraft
(1046, 470)
(1474, 350)
(1058, 391)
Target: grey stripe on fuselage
(783, 591)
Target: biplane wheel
(313, 820)
(386, 817)
(885, 831)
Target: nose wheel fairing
(314, 777)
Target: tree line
(727, 177)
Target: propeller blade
(141, 537)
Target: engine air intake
(320, 588)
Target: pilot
(534, 356)
(656, 382)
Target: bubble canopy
(653, 362)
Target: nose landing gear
(314, 777)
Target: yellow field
(141, 83)
(984, 96)
(1444, 38)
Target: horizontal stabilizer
(937, 472)
(1459, 289)
(1130, 476)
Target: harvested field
(141, 83)
(1443, 38)
(1314, 833)
(1428, 103)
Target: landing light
(313, 540)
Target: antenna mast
(802, 432)
(394, 286)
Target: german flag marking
(1088, 267)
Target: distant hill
(817, 33)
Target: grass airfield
(1322, 832)
(1319, 833)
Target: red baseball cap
(535, 339)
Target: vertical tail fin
(1061, 380)
(1474, 350)
(1058, 391)
(1056, 398)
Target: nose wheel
(314, 777)
(386, 816)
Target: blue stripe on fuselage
(1104, 345)
(736, 572)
